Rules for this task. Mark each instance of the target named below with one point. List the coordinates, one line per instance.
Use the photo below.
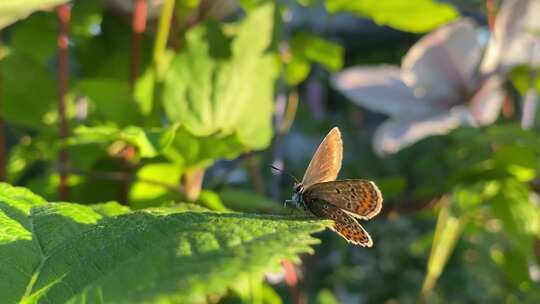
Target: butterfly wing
(326, 162)
(361, 198)
(344, 224)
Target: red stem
(490, 8)
(138, 25)
(64, 14)
(291, 279)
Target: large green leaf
(12, 10)
(416, 16)
(212, 90)
(58, 252)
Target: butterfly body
(342, 201)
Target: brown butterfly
(343, 201)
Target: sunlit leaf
(68, 252)
(193, 151)
(13, 10)
(319, 50)
(297, 70)
(155, 183)
(212, 95)
(412, 16)
(447, 232)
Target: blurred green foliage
(461, 218)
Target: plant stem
(490, 12)
(3, 155)
(290, 113)
(255, 175)
(291, 279)
(64, 14)
(530, 100)
(192, 183)
(138, 26)
(162, 36)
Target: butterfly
(342, 201)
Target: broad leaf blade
(70, 252)
(211, 92)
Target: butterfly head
(298, 189)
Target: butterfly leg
(288, 201)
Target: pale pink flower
(443, 82)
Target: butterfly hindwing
(344, 224)
(361, 198)
(326, 162)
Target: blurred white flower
(442, 82)
(516, 36)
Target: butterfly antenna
(282, 171)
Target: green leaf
(154, 183)
(144, 91)
(26, 153)
(520, 78)
(149, 142)
(12, 10)
(86, 17)
(59, 252)
(297, 70)
(110, 209)
(519, 215)
(325, 296)
(514, 264)
(26, 101)
(210, 94)
(211, 200)
(106, 56)
(184, 8)
(199, 152)
(250, 5)
(36, 37)
(112, 100)
(417, 16)
(447, 232)
(319, 50)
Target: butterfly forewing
(344, 224)
(361, 198)
(326, 162)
